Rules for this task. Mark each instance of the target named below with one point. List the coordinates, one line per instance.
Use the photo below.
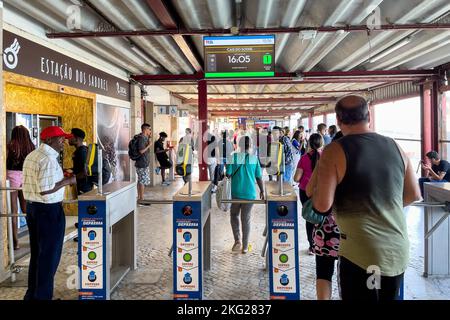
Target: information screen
(239, 56)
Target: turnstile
(282, 232)
(106, 239)
(437, 229)
(191, 239)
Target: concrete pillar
(3, 225)
(136, 117)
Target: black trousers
(46, 226)
(353, 283)
(309, 225)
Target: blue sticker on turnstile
(92, 250)
(187, 255)
(283, 250)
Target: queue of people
(364, 227)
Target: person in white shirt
(43, 189)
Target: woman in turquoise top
(243, 170)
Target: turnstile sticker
(187, 260)
(283, 261)
(283, 256)
(92, 258)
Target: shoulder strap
(246, 156)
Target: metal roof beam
(163, 14)
(264, 100)
(175, 31)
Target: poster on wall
(113, 129)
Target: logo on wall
(11, 55)
(121, 91)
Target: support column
(435, 116)
(203, 121)
(3, 224)
(310, 121)
(135, 117)
(149, 117)
(372, 116)
(425, 102)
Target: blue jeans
(46, 226)
(287, 175)
(423, 180)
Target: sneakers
(165, 183)
(310, 251)
(247, 249)
(237, 246)
(143, 203)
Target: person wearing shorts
(143, 162)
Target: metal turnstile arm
(445, 205)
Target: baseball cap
(54, 131)
(78, 133)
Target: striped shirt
(41, 171)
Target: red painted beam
(203, 122)
(263, 100)
(363, 73)
(425, 126)
(173, 30)
(163, 14)
(247, 113)
(184, 93)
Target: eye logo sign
(10, 56)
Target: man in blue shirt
(322, 129)
(243, 170)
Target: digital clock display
(239, 56)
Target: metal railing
(12, 266)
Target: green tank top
(369, 204)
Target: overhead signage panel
(239, 56)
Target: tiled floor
(233, 276)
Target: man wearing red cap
(43, 188)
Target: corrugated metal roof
(338, 51)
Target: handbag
(310, 215)
(224, 191)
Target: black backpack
(92, 167)
(133, 148)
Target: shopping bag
(223, 193)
